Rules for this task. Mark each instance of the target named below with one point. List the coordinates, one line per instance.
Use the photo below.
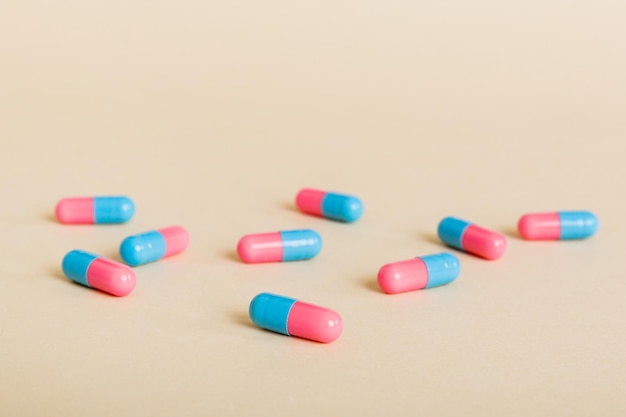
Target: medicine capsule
(562, 225)
(471, 238)
(151, 246)
(295, 318)
(419, 273)
(290, 245)
(95, 210)
(334, 206)
(96, 272)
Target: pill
(289, 245)
(345, 208)
(295, 318)
(471, 238)
(419, 273)
(95, 210)
(154, 245)
(562, 225)
(97, 272)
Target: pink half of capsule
(544, 226)
(483, 242)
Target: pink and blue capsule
(154, 245)
(95, 210)
(284, 246)
(94, 271)
(341, 207)
(291, 317)
(471, 238)
(419, 273)
(562, 225)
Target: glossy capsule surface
(95, 210)
(419, 273)
(342, 207)
(289, 245)
(471, 238)
(562, 225)
(97, 272)
(151, 246)
(291, 317)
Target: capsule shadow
(114, 256)
(510, 232)
(432, 238)
(242, 319)
(232, 255)
(58, 274)
(51, 218)
(371, 284)
(289, 206)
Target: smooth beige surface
(213, 114)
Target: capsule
(290, 245)
(95, 210)
(419, 273)
(154, 245)
(345, 208)
(295, 318)
(562, 225)
(97, 272)
(471, 238)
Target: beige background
(212, 114)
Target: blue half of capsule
(300, 244)
(113, 209)
(443, 268)
(577, 224)
(342, 207)
(271, 311)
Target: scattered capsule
(471, 238)
(562, 225)
(95, 210)
(295, 318)
(154, 245)
(345, 208)
(419, 273)
(290, 245)
(96, 272)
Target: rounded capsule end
(539, 226)
(122, 282)
(342, 207)
(271, 311)
(577, 224)
(314, 322)
(263, 247)
(126, 209)
(245, 250)
(75, 211)
(353, 209)
(131, 251)
(332, 329)
(494, 248)
(111, 277)
(403, 276)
